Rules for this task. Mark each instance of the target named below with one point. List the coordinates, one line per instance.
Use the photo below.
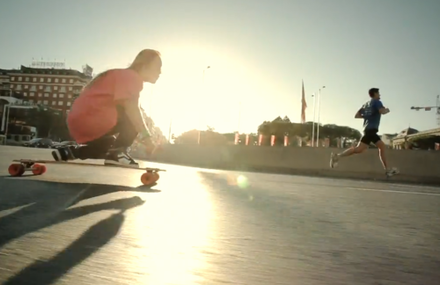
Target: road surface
(94, 225)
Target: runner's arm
(382, 110)
(359, 114)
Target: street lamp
(5, 119)
(319, 115)
(200, 119)
(313, 123)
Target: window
(31, 101)
(19, 78)
(39, 101)
(45, 102)
(55, 95)
(12, 85)
(25, 94)
(19, 87)
(71, 80)
(69, 96)
(56, 80)
(69, 103)
(34, 79)
(60, 103)
(12, 78)
(63, 89)
(61, 95)
(39, 94)
(70, 88)
(32, 94)
(46, 95)
(53, 102)
(26, 87)
(55, 88)
(26, 79)
(41, 79)
(49, 80)
(33, 88)
(47, 89)
(64, 80)
(41, 87)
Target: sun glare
(173, 243)
(191, 95)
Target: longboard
(37, 167)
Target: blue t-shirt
(370, 112)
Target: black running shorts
(370, 136)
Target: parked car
(39, 143)
(64, 144)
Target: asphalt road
(94, 225)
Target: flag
(303, 105)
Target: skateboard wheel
(156, 176)
(38, 169)
(16, 169)
(149, 178)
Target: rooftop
(53, 71)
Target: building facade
(28, 88)
(55, 88)
(5, 89)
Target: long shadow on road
(33, 205)
(44, 204)
(48, 272)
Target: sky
(259, 52)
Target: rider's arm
(132, 109)
(127, 89)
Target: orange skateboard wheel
(38, 169)
(16, 169)
(149, 178)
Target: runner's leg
(381, 146)
(361, 147)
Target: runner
(106, 118)
(371, 113)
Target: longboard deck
(37, 167)
(43, 161)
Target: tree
(282, 127)
(157, 134)
(208, 137)
(45, 119)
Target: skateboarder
(371, 113)
(106, 119)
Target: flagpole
(319, 116)
(169, 131)
(200, 115)
(313, 124)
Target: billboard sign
(48, 64)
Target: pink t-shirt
(93, 113)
